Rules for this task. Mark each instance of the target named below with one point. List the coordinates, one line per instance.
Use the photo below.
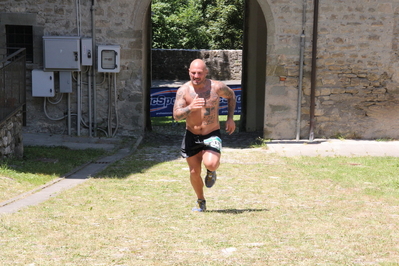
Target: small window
(20, 37)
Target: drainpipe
(89, 101)
(79, 103)
(299, 112)
(301, 59)
(69, 114)
(93, 70)
(109, 105)
(314, 67)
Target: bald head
(198, 72)
(198, 63)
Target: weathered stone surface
(173, 64)
(357, 65)
(11, 137)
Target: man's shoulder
(185, 86)
(217, 85)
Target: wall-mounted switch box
(108, 58)
(66, 81)
(61, 53)
(42, 83)
(87, 53)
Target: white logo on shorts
(214, 142)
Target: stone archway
(257, 37)
(141, 24)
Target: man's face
(197, 74)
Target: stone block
(278, 91)
(351, 90)
(279, 108)
(329, 81)
(380, 90)
(291, 82)
(319, 112)
(324, 91)
(328, 103)
(280, 71)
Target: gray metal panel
(65, 81)
(107, 54)
(42, 83)
(61, 53)
(87, 53)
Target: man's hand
(230, 126)
(197, 103)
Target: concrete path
(73, 179)
(335, 147)
(72, 142)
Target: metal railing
(12, 82)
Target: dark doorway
(254, 68)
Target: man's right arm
(180, 108)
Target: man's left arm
(228, 94)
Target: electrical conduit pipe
(314, 68)
(94, 56)
(300, 84)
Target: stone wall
(118, 22)
(11, 144)
(173, 64)
(357, 70)
(357, 92)
(366, 89)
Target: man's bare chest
(211, 98)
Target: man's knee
(212, 165)
(195, 171)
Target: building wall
(357, 67)
(116, 22)
(357, 75)
(11, 137)
(357, 79)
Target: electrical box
(65, 81)
(61, 53)
(108, 58)
(87, 53)
(42, 83)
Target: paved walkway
(335, 147)
(284, 148)
(75, 178)
(72, 142)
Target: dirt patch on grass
(163, 144)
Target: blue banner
(163, 98)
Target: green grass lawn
(43, 164)
(167, 125)
(168, 120)
(39, 166)
(263, 210)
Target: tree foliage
(197, 24)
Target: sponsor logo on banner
(163, 98)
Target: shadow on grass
(162, 145)
(238, 211)
(173, 136)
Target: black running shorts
(193, 144)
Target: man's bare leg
(194, 163)
(211, 160)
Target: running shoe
(201, 206)
(210, 178)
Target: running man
(197, 101)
